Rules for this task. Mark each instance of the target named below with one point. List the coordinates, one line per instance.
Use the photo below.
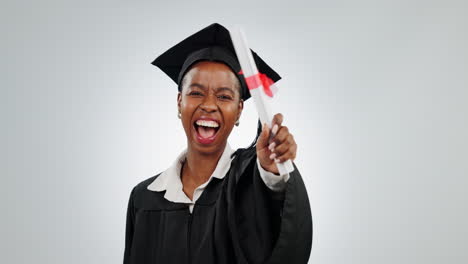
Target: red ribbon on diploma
(257, 80)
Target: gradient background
(375, 93)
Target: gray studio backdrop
(375, 93)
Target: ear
(179, 100)
(240, 108)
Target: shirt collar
(169, 180)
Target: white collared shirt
(170, 181)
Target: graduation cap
(212, 43)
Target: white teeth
(207, 123)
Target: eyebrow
(225, 89)
(197, 85)
(201, 86)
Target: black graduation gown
(237, 219)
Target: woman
(216, 205)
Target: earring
(237, 122)
(179, 115)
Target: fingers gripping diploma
(275, 146)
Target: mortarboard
(212, 43)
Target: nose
(209, 104)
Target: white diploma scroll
(249, 68)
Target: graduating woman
(214, 204)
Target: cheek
(187, 105)
(231, 113)
(187, 108)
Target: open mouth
(206, 130)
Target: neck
(199, 166)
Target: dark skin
(211, 90)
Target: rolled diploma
(249, 68)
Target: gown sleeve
(267, 226)
(294, 241)
(129, 228)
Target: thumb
(262, 141)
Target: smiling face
(210, 105)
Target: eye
(195, 93)
(225, 97)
